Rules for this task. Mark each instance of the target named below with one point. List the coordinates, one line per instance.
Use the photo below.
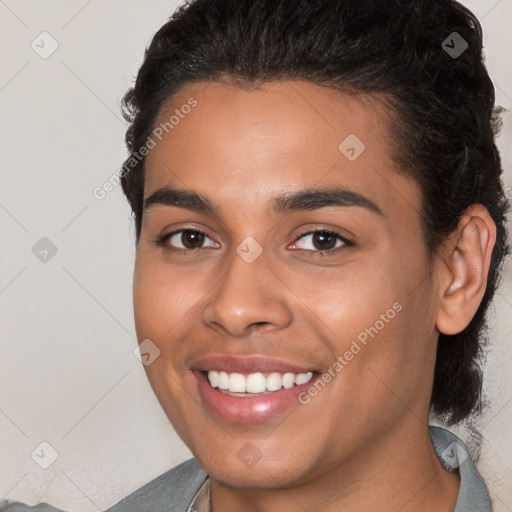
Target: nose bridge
(247, 294)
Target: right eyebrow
(169, 196)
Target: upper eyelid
(324, 230)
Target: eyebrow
(302, 200)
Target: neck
(401, 472)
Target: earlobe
(465, 267)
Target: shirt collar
(201, 501)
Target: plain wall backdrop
(68, 376)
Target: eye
(322, 241)
(185, 239)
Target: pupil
(189, 238)
(319, 239)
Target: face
(281, 249)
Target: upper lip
(232, 364)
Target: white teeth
(274, 381)
(237, 383)
(223, 380)
(256, 382)
(213, 377)
(302, 378)
(288, 380)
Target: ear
(466, 256)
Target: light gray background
(67, 372)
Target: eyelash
(161, 242)
(328, 252)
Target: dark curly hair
(444, 120)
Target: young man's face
(254, 294)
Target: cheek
(161, 298)
(159, 307)
(378, 321)
(346, 300)
(380, 377)
(390, 373)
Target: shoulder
(171, 491)
(454, 456)
(15, 506)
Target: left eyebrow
(320, 198)
(302, 200)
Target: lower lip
(248, 410)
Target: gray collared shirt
(186, 487)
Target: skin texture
(362, 442)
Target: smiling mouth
(254, 384)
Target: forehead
(247, 143)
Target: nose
(249, 297)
